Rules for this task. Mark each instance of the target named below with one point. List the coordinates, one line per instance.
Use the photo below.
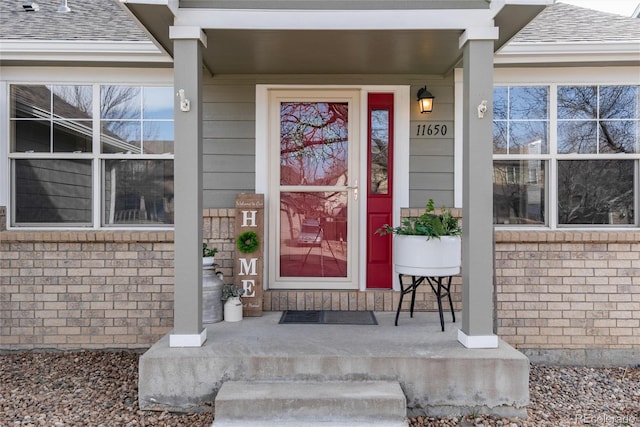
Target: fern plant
(207, 251)
(429, 224)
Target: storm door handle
(355, 190)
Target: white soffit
(578, 52)
(85, 50)
(173, 5)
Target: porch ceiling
(236, 46)
(331, 52)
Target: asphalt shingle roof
(88, 20)
(106, 20)
(565, 23)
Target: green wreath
(247, 242)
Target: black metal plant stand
(441, 290)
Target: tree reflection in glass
(595, 119)
(313, 221)
(379, 152)
(521, 120)
(595, 192)
(313, 143)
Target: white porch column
(187, 310)
(477, 238)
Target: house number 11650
(431, 130)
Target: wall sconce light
(425, 99)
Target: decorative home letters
(249, 266)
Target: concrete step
(310, 403)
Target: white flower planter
(417, 256)
(208, 261)
(233, 309)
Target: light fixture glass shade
(425, 99)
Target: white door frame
(400, 162)
(351, 277)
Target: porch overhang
(403, 37)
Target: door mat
(328, 317)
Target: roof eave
(513, 15)
(624, 52)
(154, 17)
(25, 51)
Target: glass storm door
(314, 189)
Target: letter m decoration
(249, 272)
(248, 267)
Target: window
(520, 146)
(589, 151)
(521, 120)
(597, 120)
(596, 191)
(91, 155)
(379, 151)
(516, 198)
(53, 191)
(51, 119)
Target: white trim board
(188, 340)
(76, 75)
(4, 144)
(570, 75)
(477, 341)
(81, 50)
(281, 19)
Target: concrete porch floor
(438, 375)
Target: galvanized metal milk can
(212, 308)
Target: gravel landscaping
(95, 388)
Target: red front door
(379, 189)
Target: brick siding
(377, 300)
(568, 289)
(94, 289)
(114, 289)
(85, 289)
(218, 230)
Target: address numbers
(431, 129)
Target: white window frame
(72, 76)
(546, 158)
(552, 77)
